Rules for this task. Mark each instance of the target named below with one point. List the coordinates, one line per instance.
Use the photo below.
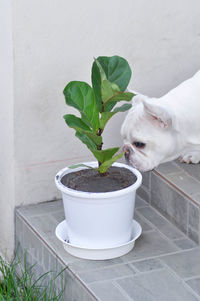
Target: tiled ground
(164, 265)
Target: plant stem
(100, 131)
(99, 147)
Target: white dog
(158, 130)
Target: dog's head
(150, 134)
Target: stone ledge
(43, 253)
(174, 190)
(183, 177)
(150, 271)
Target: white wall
(6, 130)
(55, 42)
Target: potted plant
(99, 196)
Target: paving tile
(144, 193)
(19, 226)
(109, 273)
(146, 179)
(186, 264)
(50, 273)
(148, 265)
(44, 226)
(169, 202)
(37, 270)
(196, 198)
(32, 243)
(58, 216)
(161, 223)
(58, 272)
(18, 247)
(139, 202)
(185, 243)
(185, 182)
(27, 259)
(42, 208)
(194, 217)
(19, 230)
(156, 286)
(148, 245)
(75, 291)
(193, 234)
(168, 168)
(195, 284)
(107, 291)
(160, 194)
(145, 226)
(46, 230)
(89, 265)
(179, 212)
(191, 169)
(58, 249)
(49, 259)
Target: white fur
(169, 125)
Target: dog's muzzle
(128, 151)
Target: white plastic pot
(98, 220)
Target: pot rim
(97, 195)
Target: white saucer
(97, 254)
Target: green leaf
(81, 96)
(104, 155)
(117, 70)
(80, 165)
(109, 106)
(96, 139)
(91, 138)
(86, 140)
(85, 120)
(105, 116)
(108, 90)
(113, 69)
(102, 72)
(96, 84)
(111, 93)
(121, 96)
(75, 122)
(125, 107)
(104, 166)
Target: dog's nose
(127, 151)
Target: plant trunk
(103, 174)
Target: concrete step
(164, 265)
(174, 190)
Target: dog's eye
(139, 144)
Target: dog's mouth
(132, 162)
(137, 165)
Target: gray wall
(6, 129)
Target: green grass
(26, 287)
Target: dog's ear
(139, 98)
(162, 116)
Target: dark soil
(90, 180)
